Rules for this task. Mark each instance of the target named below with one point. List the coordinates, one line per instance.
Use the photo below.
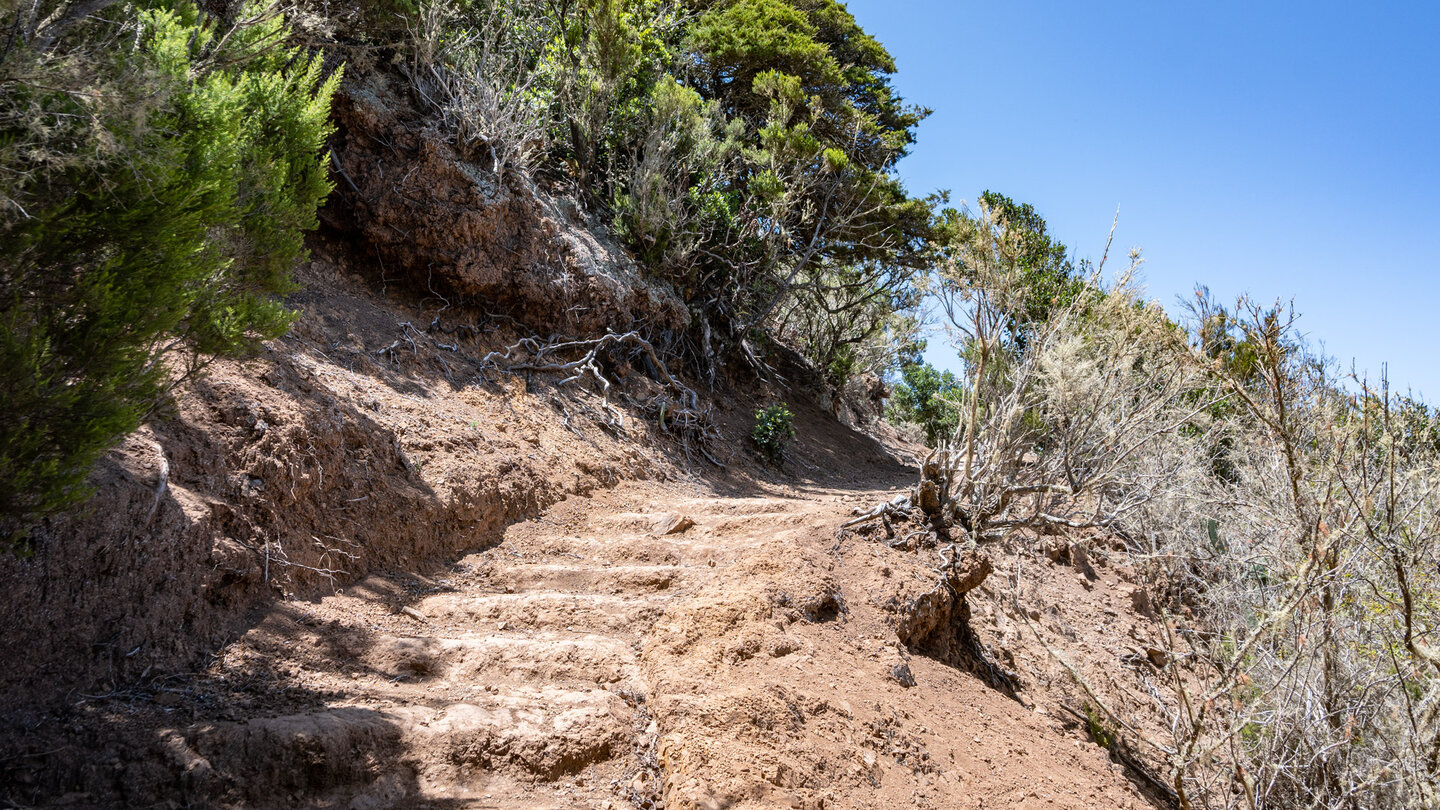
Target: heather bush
(159, 171)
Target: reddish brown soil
(325, 458)
(586, 659)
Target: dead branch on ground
(677, 408)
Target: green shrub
(154, 190)
(1049, 280)
(774, 429)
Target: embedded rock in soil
(1140, 602)
(673, 523)
(969, 571)
(1056, 549)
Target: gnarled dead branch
(677, 408)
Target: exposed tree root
(677, 409)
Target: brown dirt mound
(600, 654)
(359, 443)
(324, 459)
(591, 660)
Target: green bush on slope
(774, 430)
(154, 188)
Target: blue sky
(1289, 150)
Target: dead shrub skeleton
(677, 409)
(1285, 526)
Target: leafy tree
(842, 72)
(1047, 279)
(604, 62)
(743, 149)
(676, 175)
(814, 202)
(156, 185)
(929, 398)
(853, 326)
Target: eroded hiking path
(608, 654)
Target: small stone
(1140, 601)
(1056, 550)
(414, 614)
(673, 523)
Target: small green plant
(1099, 732)
(774, 428)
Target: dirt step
(547, 610)
(488, 791)
(542, 732)
(483, 659)
(539, 733)
(764, 522)
(705, 514)
(255, 761)
(589, 578)
(691, 549)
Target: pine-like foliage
(157, 171)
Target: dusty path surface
(610, 654)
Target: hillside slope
(577, 657)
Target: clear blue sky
(1284, 149)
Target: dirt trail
(591, 659)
